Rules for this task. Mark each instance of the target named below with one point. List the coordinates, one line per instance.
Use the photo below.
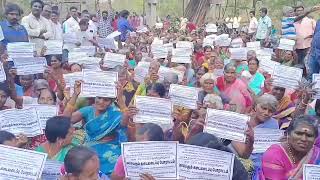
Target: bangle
(124, 110)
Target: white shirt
(71, 25)
(34, 26)
(92, 28)
(57, 30)
(253, 25)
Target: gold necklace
(291, 154)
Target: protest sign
(107, 43)
(286, 44)
(238, 53)
(179, 73)
(181, 55)
(316, 80)
(70, 38)
(183, 96)
(195, 162)
(24, 121)
(44, 112)
(85, 60)
(20, 49)
(226, 124)
(30, 65)
(112, 60)
(153, 110)
(184, 45)
(53, 47)
(74, 56)
(2, 73)
(287, 77)
(51, 170)
(99, 84)
(89, 50)
(265, 137)
(156, 158)
(21, 164)
(268, 66)
(211, 28)
(114, 34)
(311, 172)
(159, 51)
(27, 100)
(253, 45)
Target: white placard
(226, 124)
(24, 121)
(238, 53)
(20, 49)
(140, 73)
(153, 110)
(253, 45)
(159, 51)
(184, 45)
(53, 47)
(265, 137)
(90, 50)
(311, 172)
(286, 44)
(108, 43)
(44, 112)
(181, 55)
(74, 56)
(162, 72)
(99, 84)
(85, 60)
(51, 170)
(70, 38)
(30, 65)
(21, 164)
(156, 158)
(112, 60)
(27, 100)
(114, 34)
(195, 162)
(268, 66)
(316, 80)
(2, 73)
(70, 78)
(287, 77)
(184, 96)
(179, 73)
(211, 28)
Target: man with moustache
(10, 29)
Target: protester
(264, 27)
(253, 24)
(9, 139)
(56, 26)
(123, 25)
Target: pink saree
(276, 163)
(237, 92)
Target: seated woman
(234, 89)
(147, 132)
(210, 141)
(81, 163)
(59, 134)
(9, 139)
(256, 81)
(286, 57)
(103, 125)
(285, 161)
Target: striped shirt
(288, 30)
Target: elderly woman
(285, 161)
(152, 78)
(287, 58)
(234, 90)
(103, 127)
(59, 134)
(256, 81)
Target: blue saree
(97, 128)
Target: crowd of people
(87, 133)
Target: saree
(276, 163)
(256, 83)
(237, 93)
(284, 109)
(104, 135)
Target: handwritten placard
(265, 137)
(311, 172)
(53, 47)
(183, 96)
(112, 60)
(44, 112)
(30, 65)
(287, 77)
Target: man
(314, 62)
(56, 26)
(304, 29)
(71, 25)
(92, 28)
(264, 27)
(105, 22)
(253, 24)
(123, 25)
(47, 11)
(37, 26)
(10, 29)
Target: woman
(218, 66)
(285, 161)
(81, 163)
(285, 107)
(147, 132)
(4, 94)
(287, 58)
(233, 89)
(207, 82)
(207, 56)
(103, 126)
(256, 81)
(55, 72)
(262, 118)
(9, 139)
(210, 141)
(59, 133)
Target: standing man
(71, 25)
(92, 28)
(56, 26)
(253, 25)
(105, 22)
(123, 25)
(304, 29)
(10, 29)
(47, 11)
(37, 26)
(264, 27)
